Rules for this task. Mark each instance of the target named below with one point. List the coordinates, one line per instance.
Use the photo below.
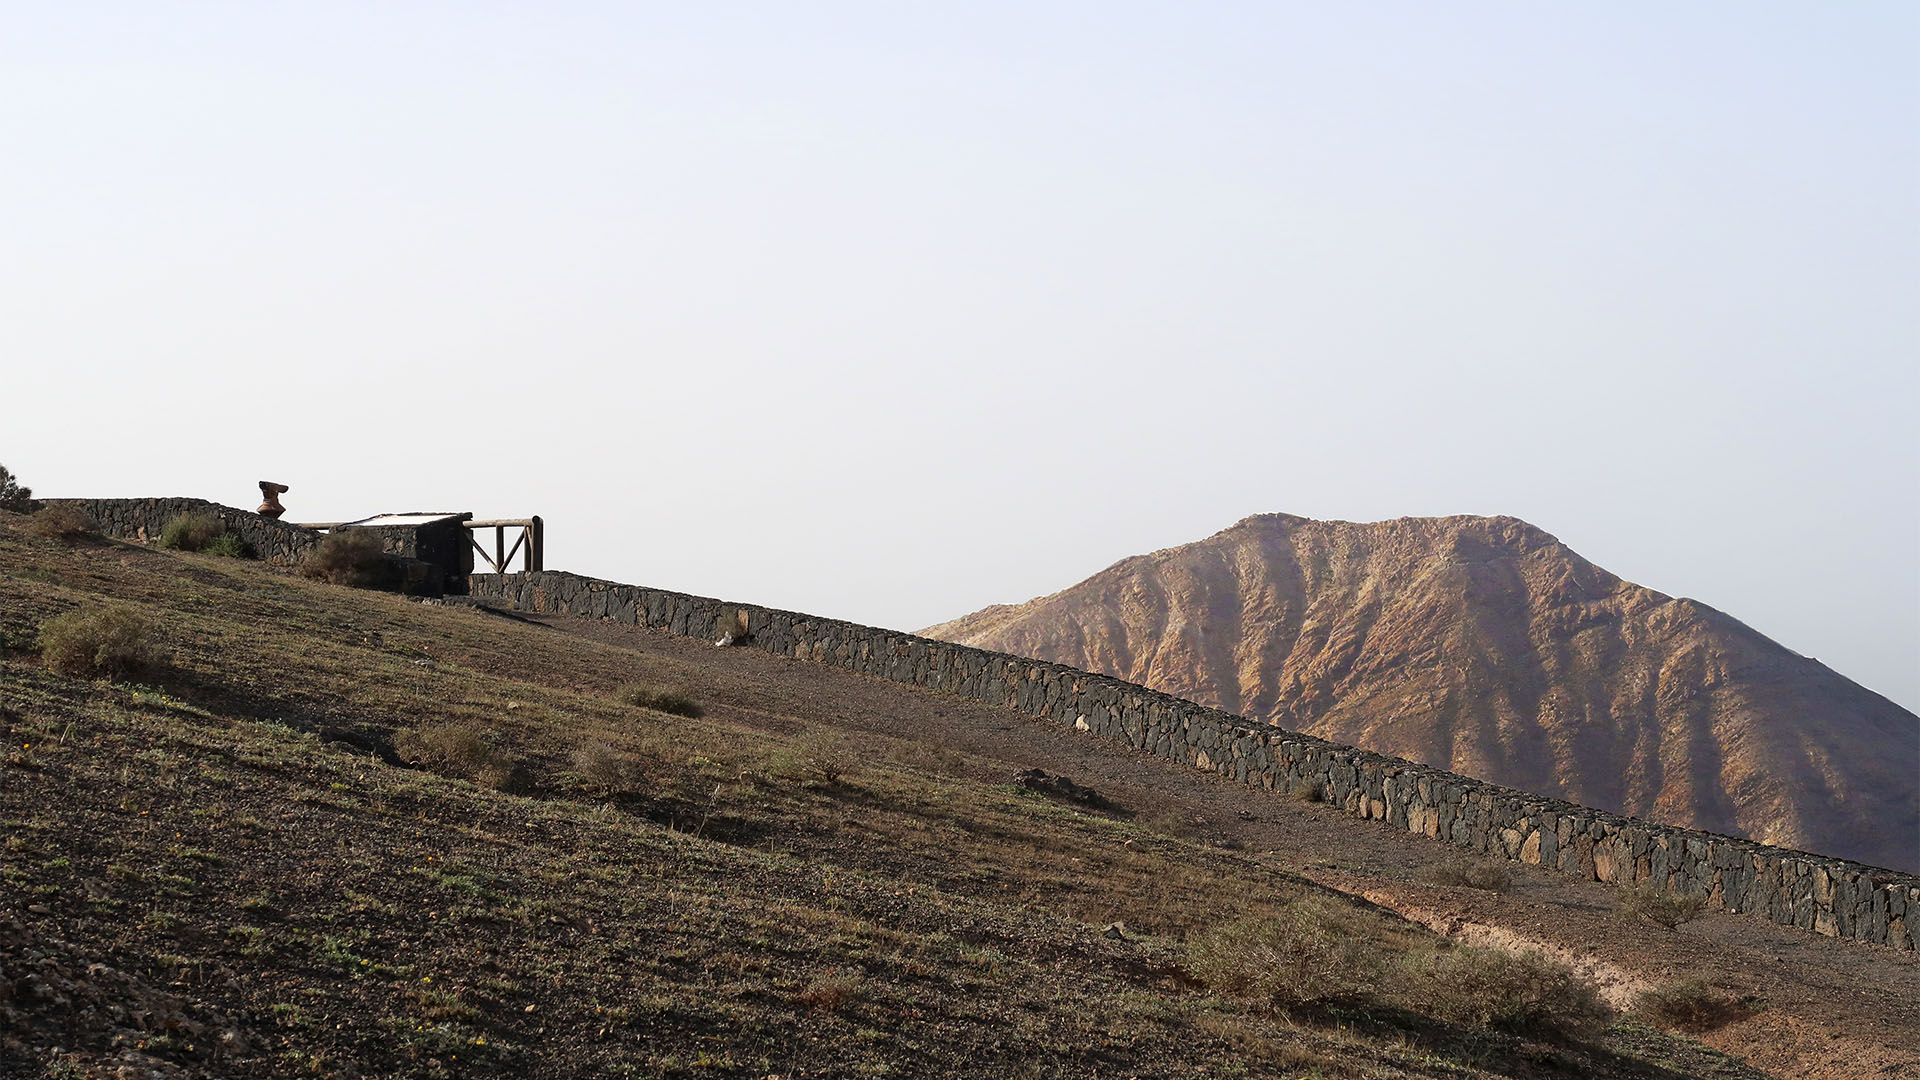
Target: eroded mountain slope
(1486, 646)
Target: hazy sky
(889, 314)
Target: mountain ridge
(1487, 646)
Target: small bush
(229, 545)
(1668, 909)
(191, 532)
(1694, 1006)
(606, 769)
(13, 497)
(1489, 876)
(815, 756)
(1310, 791)
(1522, 993)
(652, 697)
(62, 523)
(1309, 952)
(822, 756)
(351, 557)
(100, 641)
(458, 750)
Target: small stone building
(435, 548)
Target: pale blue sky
(888, 313)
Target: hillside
(1487, 647)
(340, 833)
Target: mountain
(1486, 646)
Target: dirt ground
(1824, 1007)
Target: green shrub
(1522, 993)
(191, 532)
(1489, 876)
(1308, 952)
(229, 545)
(1656, 905)
(351, 557)
(13, 497)
(461, 751)
(652, 697)
(97, 641)
(62, 523)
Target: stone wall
(1829, 896)
(274, 542)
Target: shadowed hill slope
(1487, 647)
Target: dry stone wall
(1828, 896)
(274, 542)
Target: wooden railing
(530, 543)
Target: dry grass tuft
(61, 523)
(1313, 952)
(1522, 993)
(926, 756)
(606, 769)
(659, 700)
(229, 545)
(1668, 909)
(1308, 952)
(191, 532)
(820, 754)
(1693, 1006)
(833, 991)
(1307, 791)
(1489, 876)
(98, 641)
(460, 751)
(1171, 823)
(351, 557)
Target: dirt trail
(1617, 986)
(1828, 1008)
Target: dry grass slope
(340, 833)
